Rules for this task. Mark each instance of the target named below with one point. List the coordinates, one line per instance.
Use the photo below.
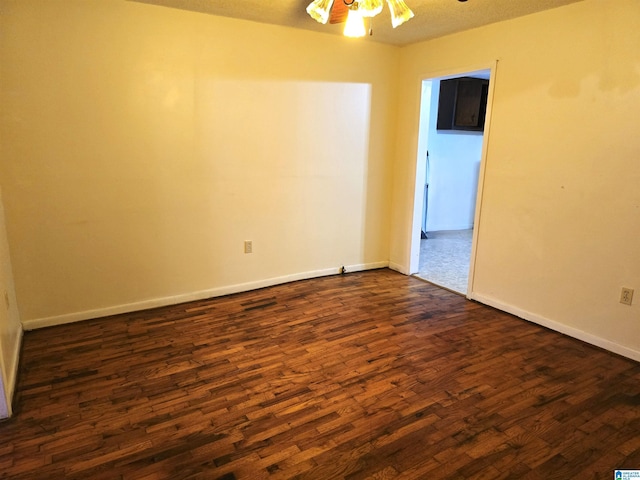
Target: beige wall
(10, 327)
(560, 222)
(144, 145)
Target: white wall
(560, 222)
(10, 327)
(4, 408)
(454, 160)
(143, 145)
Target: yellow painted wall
(559, 232)
(124, 183)
(143, 145)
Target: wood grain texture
(370, 375)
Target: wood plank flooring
(370, 375)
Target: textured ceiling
(433, 18)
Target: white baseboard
(11, 381)
(447, 228)
(559, 327)
(5, 411)
(363, 266)
(189, 297)
(398, 268)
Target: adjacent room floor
(444, 259)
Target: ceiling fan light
(319, 10)
(370, 8)
(355, 24)
(400, 13)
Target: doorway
(448, 184)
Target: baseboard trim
(11, 382)
(559, 327)
(36, 323)
(5, 410)
(398, 268)
(449, 228)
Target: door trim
(414, 234)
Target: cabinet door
(462, 104)
(468, 103)
(446, 102)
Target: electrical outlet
(248, 246)
(626, 296)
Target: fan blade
(339, 12)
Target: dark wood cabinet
(462, 104)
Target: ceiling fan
(339, 12)
(355, 11)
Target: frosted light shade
(355, 24)
(370, 8)
(400, 13)
(319, 10)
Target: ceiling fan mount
(340, 11)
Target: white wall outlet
(248, 246)
(626, 296)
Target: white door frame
(419, 180)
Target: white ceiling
(433, 18)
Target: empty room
(210, 226)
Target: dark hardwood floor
(367, 375)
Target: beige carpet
(444, 259)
